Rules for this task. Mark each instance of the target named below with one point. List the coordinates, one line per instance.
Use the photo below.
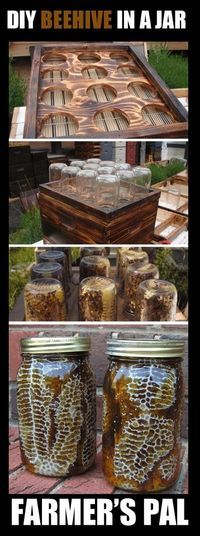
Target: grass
(173, 68)
(17, 89)
(19, 260)
(161, 173)
(30, 228)
(169, 271)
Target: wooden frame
(169, 220)
(83, 111)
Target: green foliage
(173, 68)
(19, 261)
(169, 271)
(161, 173)
(30, 228)
(75, 254)
(17, 88)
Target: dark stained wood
(65, 218)
(83, 110)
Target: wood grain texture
(79, 222)
(107, 69)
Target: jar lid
(52, 345)
(47, 267)
(51, 255)
(150, 348)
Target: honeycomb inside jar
(94, 265)
(156, 300)
(142, 412)
(56, 399)
(126, 257)
(133, 278)
(44, 299)
(97, 299)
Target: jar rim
(149, 348)
(52, 345)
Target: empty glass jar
(91, 165)
(126, 184)
(77, 163)
(106, 170)
(55, 171)
(136, 258)
(156, 300)
(86, 184)
(93, 161)
(94, 265)
(68, 178)
(133, 278)
(107, 192)
(122, 167)
(107, 163)
(142, 413)
(142, 177)
(97, 299)
(56, 400)
(44, 299)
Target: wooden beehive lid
(99, 91)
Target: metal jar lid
(53, 345)
(150, 348)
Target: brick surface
(24, 482)
(13, 433)
(14, 456)
(14, 350)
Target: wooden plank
(17, 125)
(171, 45)
(180, 92)
(31, 111)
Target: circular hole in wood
(128, 70)
(93, 72)
(153, 115)
(110, 120)
(54, 58)
(119, 56)
(143, 91)
(54, 75)
(89, 57)
(101, 93)
(58, 126)
(56, 96)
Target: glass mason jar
(156, 300)
(56, 406)
(122, 167)
(136, 258)
(143, 401)
(44, 299)
(90, 251)
(68, 178)
(77, 163)
(106, 170)
(94, 161)
(126, 184)
(120, 251)
(107, 163)
(94, 265)
(91, 165)
(107, 192)
(97, 299)
(54, 255)
(48, 270)
(55, 171)
(133, 278)
(86, 184)
(142, 177)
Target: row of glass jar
(143, 398)
(105, 183)
(146, 297)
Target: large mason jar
(56, 405)
(156, 300)
(44, 299)
(143, 399)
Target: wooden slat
(31, 110)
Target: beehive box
(66, 219)
(99, 91)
